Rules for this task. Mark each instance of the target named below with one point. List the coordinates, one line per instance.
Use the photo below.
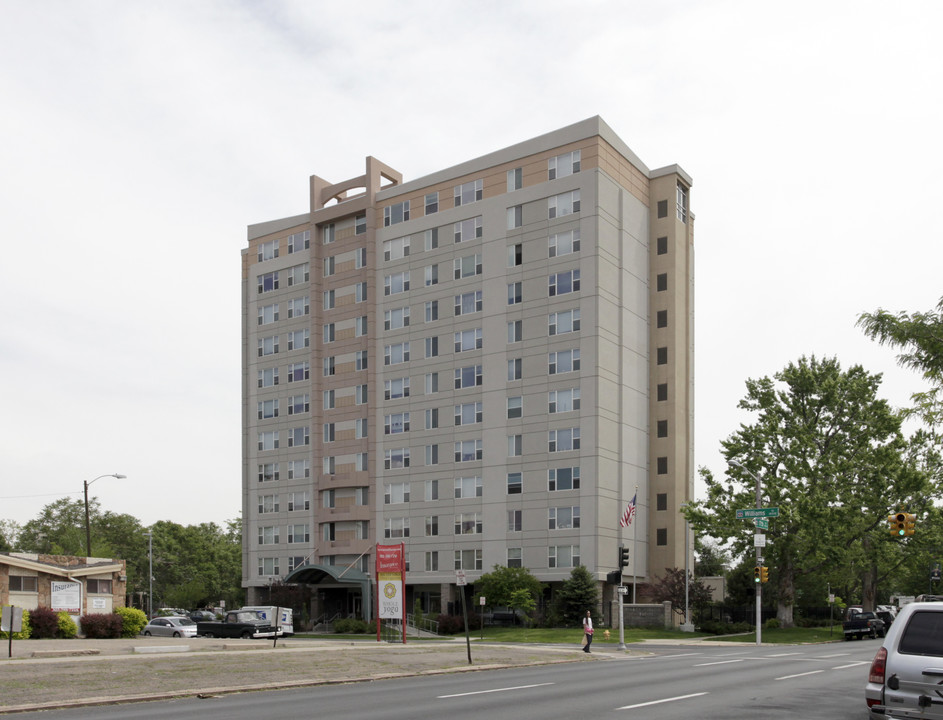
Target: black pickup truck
(236, 624)
(861, 624)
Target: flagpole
(634, 537)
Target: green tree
(919, 336)
(577, 594)
(829, 453)
(710, 559)
(9, 535)
(671, 587)
(510, 587)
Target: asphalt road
(808, 682)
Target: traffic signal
(910, 522)
(898, 524)
(764, 574)
(614, 578)
(757, 574)
(623, 556)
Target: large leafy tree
(509, 587)
(830, 455)
(919, 336)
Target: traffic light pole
(759, 585)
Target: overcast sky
(139, 139)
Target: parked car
(861, 624)
(904, 680)
(201, 615)
(238, 624)
(170, 627)
(168, 612)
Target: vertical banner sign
(391, 580)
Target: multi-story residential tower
(485, 364)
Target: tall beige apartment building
(485, 364)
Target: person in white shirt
(588, 629)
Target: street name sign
(761, 523)
(751, 513)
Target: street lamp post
(150, 574)
(759, 585)
(88, 527)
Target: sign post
(11, 621)
(461, 582)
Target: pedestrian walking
(587, 632)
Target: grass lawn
(545, 635)
(788, 635)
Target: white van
(267, 612)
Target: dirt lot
(51, 673)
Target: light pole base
(687, 627)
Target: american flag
(629, 512)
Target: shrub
(771, 624)
(25, 633)
(132, 619)
(450, 624)
(44, 623)
(102, 625)
(353, 626)
(66, 625)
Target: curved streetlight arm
(88, 527)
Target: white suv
(906, 677)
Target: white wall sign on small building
(66, 596)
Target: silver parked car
(907, 672)
(170, 627)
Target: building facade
(485, 364)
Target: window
(515, 483)
(295, 562)
(515, 293)
(563, 440)
(298, 274)
(395, 318)
(662, 208)
(396, 249)
(432, 346)
(268, 250)
(515, 368)
(515, 558)
(563, 478)
(563, 361)
(432, 561)
(360, 362)
(432, 203)
(431, 418)
(268, 282)
(394, 493)
(396, 283)
(395, 423)
(662, 392)
(515, 255)
(432, 310)
(396, 388)
(268, 345)
(564, 204)
(467, 377)
(515, 179)
(431, 239)
(328, 297)
(661, 501)
(564, 518)
(565, 164)
(561, 401)
(299, 241)
(397, 459)
(467, 303)
(297, 437)
(361, 462)
(514, 520)
(468, 487)
(396, 353)
(360, 428)
(298, 372)
(661, 319)
(469, 192)
(298, 307)
(329, 400)
(662, 465)
(268, 504)
(298, 339)
(468, 450)
(360, 224)
(298, 534)
(360, 326)
(394, 214)
(564, 243)
(397, 527)
(515, 407)
(661, 245)
(329, 366)
(268, 472)
(431, 275)
(268, 440)
(328, 465)
(661, 355)
(515, 331)
(328, 532)
(662, 429)
(564, 282)
(682, 202)
(22, 583)
(360, 292)
(268, 314)
(328, 432)
(298, 469)
(432, 458)
(468, 524)
(661, 282)
(467, 229)
(661, 536)
(432, 526)
(468, 266)
(468, 559)
(563, 556)
(328, 234)
(329, 265)
(469, 413)
(328, 333)
(515, 445)
(268, 409)
(515, 217)
(468, 340)
(432, 383)
(268, 377)
(560, 323)
(268, 566)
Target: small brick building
(77, 585)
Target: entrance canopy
(331, 574)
